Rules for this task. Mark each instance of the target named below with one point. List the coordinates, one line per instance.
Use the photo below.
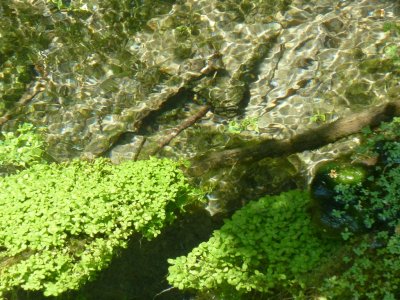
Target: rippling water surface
(112, 77)
(104, 67)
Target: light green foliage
(248, 123)
(23, 148)
(386, 131)
(62, 223)
(392, 51)
(320, 117)
(268, 245)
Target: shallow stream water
(111, 78)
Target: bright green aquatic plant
(392, 51)
(268, 246)
(320, 117)
(22, 148)
(249, 123)
(62, 223)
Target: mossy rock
(329, 211)
(340, 172)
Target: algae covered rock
(328, 208)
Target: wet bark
(309, 140)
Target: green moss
(341, 172)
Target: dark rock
(330, 210)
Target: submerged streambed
(110, 78)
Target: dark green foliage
(373, 270)
(268, 246)
(379, 141)
(377, 200)
(373, 261)
(370, 202)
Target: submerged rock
(330, 210)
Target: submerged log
(309, 140)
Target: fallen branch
(309, 140)
(182, 126)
